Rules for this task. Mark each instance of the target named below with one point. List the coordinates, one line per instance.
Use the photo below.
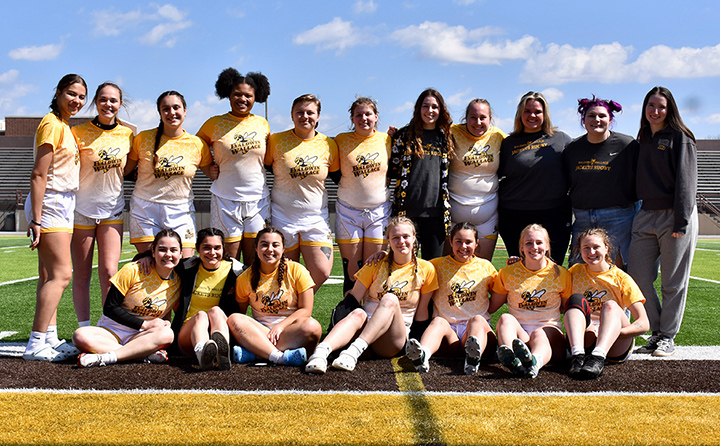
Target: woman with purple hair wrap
(600, 168)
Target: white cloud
(552, 94)
(713, 119)
(169, 20)
(408, 106)
(448, 44)
(9, 76)
(464, 2)
(367, 6)
(159, 33)
(610, 63)
(36, 53)
(459, 99)
(335, 35)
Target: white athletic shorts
(122, 333)
(311, 230)
(529, 328)
(85, 222)
(483, 216)
(57, 211)
(459, 328)
(147, 219)
(238, 218)
(361, 225)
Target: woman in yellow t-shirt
(240, 203)
(536, 289)
(394, 293)
(104, 144)
(49, 211)
(280, 293)
(363, 204)
(135, 322)
(595, 318)
(167, 158)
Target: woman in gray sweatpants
(666, 228)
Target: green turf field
(17, 300)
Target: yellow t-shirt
(598, 288)
(64, 171)
(473, 172)
(208, 288)
(238, 146)
(300, 168)
(403, 282)
(103, 154)
(170, 182)
(364, 165)
(463, 288)
(147, 296)
(271, 303)
(534, 297)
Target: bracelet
(35, 223)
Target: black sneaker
(576, 364)
(593, 367)
(651, 346)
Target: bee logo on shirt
(366, 164)
(150, 307)
(396, 288)
(304, 167)
(462, 292)
(531, 300)
(476, 156)
(594, 298)
(107, 159)
(272, 302)
(169, 166)
(244, 142)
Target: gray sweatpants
(654, 246)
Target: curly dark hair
(230, 78)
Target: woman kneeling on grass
(595, 316)
(391, 292)
(134, 323)
(207, 297)
(461, 305)
(535, 289)
(280, 293)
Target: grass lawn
(17, 300)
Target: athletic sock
(52, 337)
(578, 350)
(538, 362)
(37, 340)
(198, 350)
(597, 351)
(83, 323)
(109, 357)
(323, 350)
(277, 357)
(357, 348)
(426, 352)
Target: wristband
(35, 223)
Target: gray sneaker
(652, 344)
(665, 347)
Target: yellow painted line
(309, 419)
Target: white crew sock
(277, 357)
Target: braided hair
(255, 268)
(65, 82)
(396, 221)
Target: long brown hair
(415, 127)
(672, 118)
(161, 127)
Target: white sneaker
(65, 347)
(90, 360)
(316, 364)
(345, 362)
(45, 353)
(665, 347)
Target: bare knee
(216, 313)
(82, 339)
(389, 301)
(311, 330)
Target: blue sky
(390, 51)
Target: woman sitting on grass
(391, 292)
(536, 288)
(280, 293)
(461, 305)
(135, 316)
(595, 320)
(207, 297)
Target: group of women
(526, 185)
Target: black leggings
(430, 236)
(557, 221)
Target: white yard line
(705, 280)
